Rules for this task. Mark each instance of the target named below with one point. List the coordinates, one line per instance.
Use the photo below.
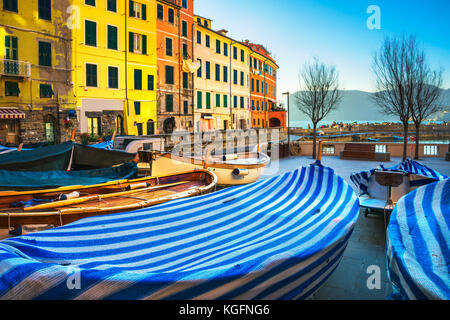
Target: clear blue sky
(334, 31)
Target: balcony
(14, 68)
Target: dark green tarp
(62, 157)
(26, 180)
(55, 157)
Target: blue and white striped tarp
(418, 242)
(108, 145)
(361, 179)
(279, 238)
(4, 149)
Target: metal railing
(15, 68)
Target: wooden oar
(68, 202)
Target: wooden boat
(277, 239)
(231, 169)
(67, 204)
(417, 244)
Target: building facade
(174, 51)
(263, 87)
(222, 95)
(37, 101)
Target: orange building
(263, 85)
(174, 26)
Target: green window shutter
(44, 9)
(112, 37)
(90, 2)
(113, 77)
(217, 100)
(90, 33)
(168, 47)
(112, 5)
(137, 79)
(45, 54)
(131, 42)
(46, 91)
(150, 82)
(144, 44)
(91, 75)
(225, 74)
(144, 12)
(199, 99)
(184, 29)
(225, 100)
(131, 7)
(208, 100)
(169, 103)
(137, 107)
(12, 89)
(185, 80)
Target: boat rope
(9, 221)
(157, 181)
(60, 218)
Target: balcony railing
(15, 68)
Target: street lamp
(288, 131)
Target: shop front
(10, 126)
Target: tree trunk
(416, 152)
(314, 140)
(405, 140)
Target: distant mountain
(357, 106)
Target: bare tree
(319, 93)
(426, 94)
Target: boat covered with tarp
(65, 156)
(375, 196)
(279, 238)
(32, 180)
(418, 242)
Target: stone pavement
(367, 245)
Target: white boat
(231, 169)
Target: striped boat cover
(279, 238)
(108, 145)
(361, 179)
(4, 149)
(418, 242)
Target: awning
(11, 114)
(208, 117)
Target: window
(217, 72)
(242, 78)
(90, 33)
(168, 47)
(11, 89)
(225, 100)
(242, 102)
(150, 127)
(430, 150)
(235, 100)
(217, 100)
(112, 37)
(139, 129)
(137, 43)
(10, 5)
(169, 75)
(242, 56)
(112, 5)
(171, 16)
(208, 100)
(138, 10)
(207, 39)
(328, 149)
(160, 12)
(208, 71)
(253, 84)
(46, 91)
(184, 27)
(253, 104)
(94, 126)
(218, 46)
(235, 76)
(185, 51)
(205, 23)
(45, 54)
(45, 9)
(137, 79)
(113, 77)
(185, 80)
(91, 75)
(150, 82)
(225, 74)
(380, 148)
(185, 107)
(199, 99)
(90, 2)
(169, 103)
(225, 49)
(184, 4)
(257, 85)
(199, 37)
(137, 108)
(199, 70)
(235, 53)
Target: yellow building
(222, 94)
(36, 94)
(114, 58)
